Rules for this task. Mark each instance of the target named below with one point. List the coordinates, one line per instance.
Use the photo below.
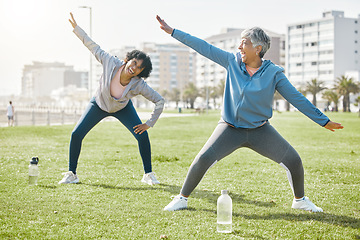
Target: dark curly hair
(146, 64)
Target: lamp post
(90, 70)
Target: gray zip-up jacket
(111, 65)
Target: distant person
(248, 96)
(10, 114)
(121, 80)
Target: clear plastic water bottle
(33, 171)
(224, 213)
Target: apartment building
(324, 49)
(41, 78)
(173, 66)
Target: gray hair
(257, 37)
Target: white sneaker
(69, 177)
(305, 204)
(150, 178)
(178, 203)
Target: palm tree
(332, 96)
(314, 87)
(345, 86)
(190, 94)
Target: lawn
(112, 203)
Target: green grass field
(112, 203)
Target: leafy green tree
(314, 87)
(332, 96)
(190, 94)
(346, 85)
(174, 95)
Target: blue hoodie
(248, 100)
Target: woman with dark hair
(120, 81)
(250, 85)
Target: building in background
(173, 66)
(324, 49)
(41, 78)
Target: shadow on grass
(120, 187)
(328, 218)
(338, 220)
(211, 196)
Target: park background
(111, 202)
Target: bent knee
(204, 160)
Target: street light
(90, 70)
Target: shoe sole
(152, 184)
(69, 182)
(172, 210)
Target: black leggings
(265, 140)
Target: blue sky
(38, 30)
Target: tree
(190, 94)
(277, 97)
(221, 88)
(314, 87)
(214, 94)
(174, 95)
(357, 100)
(332, 96)
(345, 86)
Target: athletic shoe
(178, 203)
(150, 179)
(69, 177)
(305, 204)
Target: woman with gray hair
(250, 85)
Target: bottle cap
(34, 160)
(224, 191)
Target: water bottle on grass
(33, 171)
(224, 213)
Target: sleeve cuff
(326, 123)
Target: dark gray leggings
(264, 140)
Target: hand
(164, 25)
(72, 21)
(333, 125)
(139, 129)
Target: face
(133, 67)
(248, 52)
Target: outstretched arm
(164, 26)
(94, 48)
(333, 125)
(204, 48)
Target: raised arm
(94, 48)
(202, 47)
